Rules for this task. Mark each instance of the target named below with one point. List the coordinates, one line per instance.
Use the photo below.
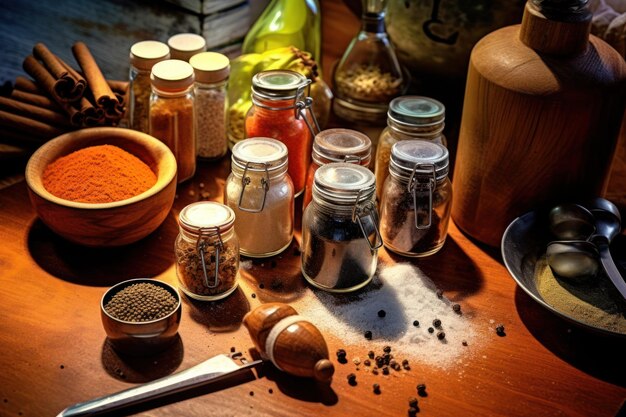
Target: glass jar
(185, 45)
(337, 145)
(143, 56)
(409, 117)
(340, 237)
(211, 71)
(369, 74)
(417, 198)
(260, 192)
(207, 251)
(172, 113)
(280, 110)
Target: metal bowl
(145, 336)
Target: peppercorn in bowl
(141, 316)
(102, 186)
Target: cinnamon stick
(97, 83)
(33, 112)
(93, 116)
(24, 84)
(68, 85)
(32, 130)
(35, 99)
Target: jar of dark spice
(143, 56)
(207, 251)
(340, 237)
(337, 145)
(172, 112)
(409, 117)
(417, 198)
(281, 110)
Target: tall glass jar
(172, 113)
(337, 145)
(143, 56)
(207, 251)
(260, 192)
(185, 45)
(417, 198)
(340, 237)
(281, 110)
(409, 117)
(211, 70)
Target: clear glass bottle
(211, 71)
(260, 192)
(207, 251)
(369, 74)
(143, 56)
(172, 113)
(340, 237)
(409, 117)
(185, 45)
(417, 198)
(337, 145)
(281, 110)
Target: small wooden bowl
(104, 224)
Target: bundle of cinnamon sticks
(59, 98)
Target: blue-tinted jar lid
(416, 110)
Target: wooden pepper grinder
(292, 343)
(542, 111)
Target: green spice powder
(141, 302)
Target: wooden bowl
(104, 224)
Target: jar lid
(186, 45)
(416, 110)
(206, 214)
(342, 145)
(144, 54)
(210, 67)
(257, 153)
(278, 84)
(341, 183)
(406, 154)
(172, 74)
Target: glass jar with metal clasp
(340, 236)
(281, 110)
(416, 199)
(260, 192)
(207, 251)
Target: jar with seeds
(207, 251)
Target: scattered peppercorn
(367, 362)
(253, 295)
(416, 323)
(413, 402)
(500, 330)
(341, 356)
(437, 323)
(368, 335)
(271, 391)
(380, 361)
(252, 393)
(413, 412)
(261, 285)
(233, 349)
(375, 371)
(441, 335)
(352, 379)
(386, 358)
(464, 343)
(382, 313)
(371, 354)
(393, 363)
(431, 330)
(387, 349)
(405, 364)
(456, 308)
(376, 388)
(62, 366)
(385, 370)
(397, 367)
(421, 390)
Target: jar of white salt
(261, 194)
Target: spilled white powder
(406, 294)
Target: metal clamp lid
(245, 180)
(362, 210)
(205, 235)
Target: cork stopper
(172, 75)
(144, 54)
(185, 45)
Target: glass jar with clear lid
(409, 117)
(340, 236)
(143, 56)
(207, 251)
(337, 145)
(417, 198)
(260, 192)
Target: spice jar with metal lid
(143, 56)
(340, 236)
(211, 70)
(409, 117)
(185, 45)
(417, 198)
(337, 145)
(207, 251)
(172, 112)
(281, 110)
(260, 192)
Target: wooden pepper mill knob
(291, 342)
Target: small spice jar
(409, 117)
(417, 198)
(185, 45)
(211, 71)
(143, 56)
(337, 145)
(260, 192)
(281, 110)
(207, 251)
(340, 237)
(172, 113)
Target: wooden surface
(53, 349)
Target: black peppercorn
(367, 362)
(431, 330)
(380, 361)
(500, 330)
(261, 285)
(368, 335)
(441, 335)
(412, 402)
(387, 349)
(252, 393)
(405, 364)
(382, 313)
(437, 323)
(352, 379)
(233, 349)
(421, 390)
(416, 323)
(253, 295)
(376, 388)
(375, 371)
(341, 356)
(371, 354)
(456, 308)
(385, 370)
(386, 358)
(464, 343)
(413, 412)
